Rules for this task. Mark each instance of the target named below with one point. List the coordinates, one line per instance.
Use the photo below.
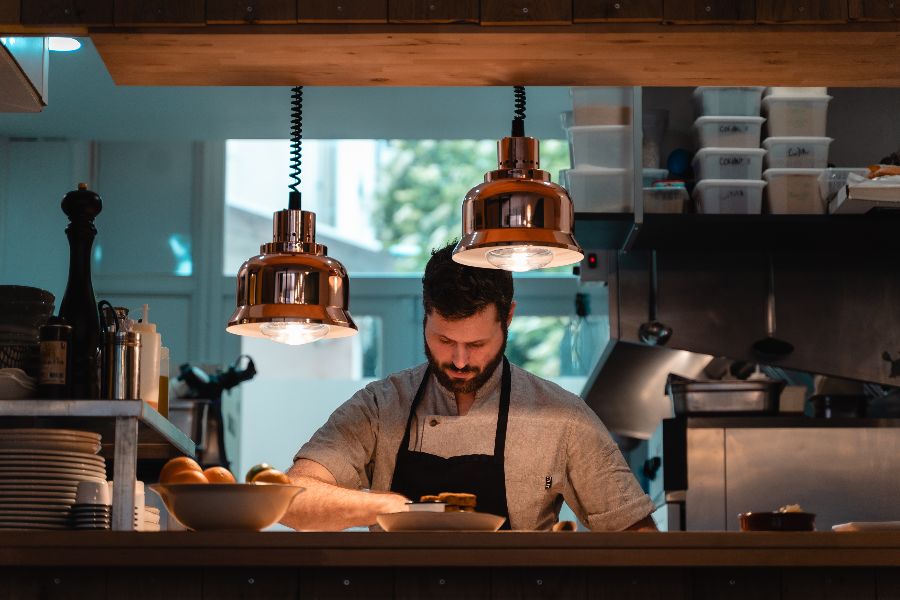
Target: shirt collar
(482, 395)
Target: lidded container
(601, 105)
(728, 163)
(150, 345)
(796, 152)
(791, 116)
(607, 146)
(601, 190)
(727, 132)
(726, 101)
(55, 375)
(794, 192)
(729, 196)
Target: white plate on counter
(432, 521)
(868, 526)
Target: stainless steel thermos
(121, 372)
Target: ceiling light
(517, 219)
(292, 292)
(61, 44)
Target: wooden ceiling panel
(402, 56)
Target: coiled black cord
(518, 124)
(296, 135)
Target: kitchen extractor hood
(627, 388)
(24, 63)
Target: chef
(466, 421)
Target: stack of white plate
(39, 474)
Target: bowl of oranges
(212, 500)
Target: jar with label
(55, 375)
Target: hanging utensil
(771, 346)
(653, 332)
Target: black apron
(418, 474)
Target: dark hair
(456, 291)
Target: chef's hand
(392, 503)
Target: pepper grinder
(78, 306)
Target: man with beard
(466, 421)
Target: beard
(467, 386)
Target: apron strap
(502, 414)
(404, 445)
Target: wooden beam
(850, 55)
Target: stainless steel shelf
(102, 409)
(128, 416)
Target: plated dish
(438, 521)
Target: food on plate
(179, 465)
(219, 475)
(882, 170)
(188, 477)
(271, 476)
(456, 502)
(256, 470)
(791, 508)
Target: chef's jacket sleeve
(345, 444)
(601, 489)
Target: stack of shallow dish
(796, 149)
(728, 164)
(39, 474)
(23, 310)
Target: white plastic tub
(601, 190)
(727, 132)
(832, 180)
(607, 146)
(665, 200)
(796, 152)
(728, 163)
(729, 196)
(601, 105)
(791, 116)
(726, 101)
(794, 192)
(795, 91)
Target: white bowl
(227, 506)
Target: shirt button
(433, 422)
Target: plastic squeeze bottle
(150, 345)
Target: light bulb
(520, 258)
(59, 44)
(294, 334)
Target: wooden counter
(446, 565)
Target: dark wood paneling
(155, 583)
(347, 584)
(808, 11)
(710, 11)
(874, 10)
(591, 11)
(638, 584)
(67, 12)
(160, 12)
(442, 584)
(887, 583)
(822, 584)
(538, 584)
(249, 583)
(524, 12)
(10, 12)
(49, 583)
(736, 584)
(433, 11)
(251, 11)
(342, 11)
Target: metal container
(716, 397)
(121, 366)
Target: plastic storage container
(726, 101)
(665, 200)
(796, 152)
(601, 190)
(832, 180)
(729, 196)
(651, 175)
(795, 91)
(607, 146)
(601, 105)
(790, 116)
(728, 163)
(727, 132)
(794, 192)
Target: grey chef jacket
(556, 447)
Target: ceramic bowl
(227, 506)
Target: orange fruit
(219, 475)
(256, 470)
(272, 476)
(188, 477)
(178, 465)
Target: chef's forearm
(327, 507)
